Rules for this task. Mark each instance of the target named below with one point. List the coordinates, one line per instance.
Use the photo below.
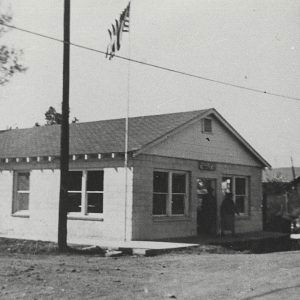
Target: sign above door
(207, 166)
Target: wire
(157, 66)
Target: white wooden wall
(42, 222)
(218, 146)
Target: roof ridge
(144, 116)
(105, 120)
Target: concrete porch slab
(146, 248)
(162, 246)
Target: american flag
(116, 31)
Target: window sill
(21, 214)
(170, 218)
(93, 217)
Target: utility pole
(64, 136)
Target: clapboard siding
(219, 146)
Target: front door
(206, 206)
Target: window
(238, 186)
(169, 193)
(85, 190)
(21, 192)
(240, 194)
(206, 125)
(160, 192)
(94, 190)
(178, 193)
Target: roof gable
(223, 122)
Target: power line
(157, 66)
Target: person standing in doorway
(228, 211)
(209, 210)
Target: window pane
(23, 181)
(23, 201)
(240, 186)
(160, 182)
(95, 203)
(95, 181)
(177, 204)
(74, 202)
(178, 183)
(74, 181)
(240, 204)
(159, 204)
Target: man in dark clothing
(228, 210)
(209, 211)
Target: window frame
(235, 195)
(16, 192)
(170, 193)
(84, 196)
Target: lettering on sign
(207, 166)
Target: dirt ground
(196, 274)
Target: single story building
(177, 164)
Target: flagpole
(122, 25)
(127, 128)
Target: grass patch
(18, 246)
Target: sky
(252, 43)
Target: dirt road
(179, 275)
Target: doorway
(206, 206)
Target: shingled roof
(105, 136)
